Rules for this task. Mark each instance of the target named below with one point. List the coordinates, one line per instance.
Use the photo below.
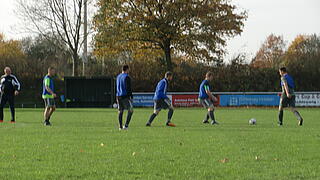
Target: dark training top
(161, 90)
(124, 86)
(9, 84)
(287, 79)
(204, 86)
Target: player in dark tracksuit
(161, 100)
(124, 96)
(288, 98)
(9, 87)
(207, 99)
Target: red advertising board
(188, 100)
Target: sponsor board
(145, 100)
(188, 100)
(308, 99)
(249, 100)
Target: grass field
(86, 144)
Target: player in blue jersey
(162, 101)
(124, 97)
(48, 95)
(207, 99)
(288, 98)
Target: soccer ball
(115, 105)
(252, 121)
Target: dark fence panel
(89, 92)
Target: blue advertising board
(143, 100)
(249, 100)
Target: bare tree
(55, 18)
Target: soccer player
(288, 97)
(48, 96)
(124, 97)
(207, 99)
(9, 87)
(161, 100)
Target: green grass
(72, 147)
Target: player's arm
(286, 88)
(1, 81)
(47, 86)
(128, 86)
(17, 85)
(207, 88)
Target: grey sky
(282, 17)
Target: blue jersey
(289, 81)
(122, 89)
(204, 86)
(47, 82)
(161, 90)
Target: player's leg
(52, 109)
(120, 112)
(12, 109)
(280, 113)
(46, 113)
(211, 115)
(211, 111)
(167, 104)
(203, 103)
(157, 109)
(120, 116)
(292, 105)
(129, 115)
(3, 101)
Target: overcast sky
(281, 17)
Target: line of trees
(30, 57)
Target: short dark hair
(125, 67)
(50, 68)
(168, 74)
(283, 69)
(209, 74)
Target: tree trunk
(75, 64)
(167, 52)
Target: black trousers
(3, 101)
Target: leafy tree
(197, 29)
(11, 54)
(303, 61)
(270, 52)
(43, 52)
(61, 19)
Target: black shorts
(287, 102)
(206, 103)
(162, 104)
(124, 103)
(49, 102)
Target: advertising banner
(308, 99)
(249, 100)
(145, 100)
(187, 100)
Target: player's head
(169, 75)
(125, 68)
(209, 76)
(7, 70)
(282, 71)
(51, 71)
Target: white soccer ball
(115, 105)
(252, 121)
